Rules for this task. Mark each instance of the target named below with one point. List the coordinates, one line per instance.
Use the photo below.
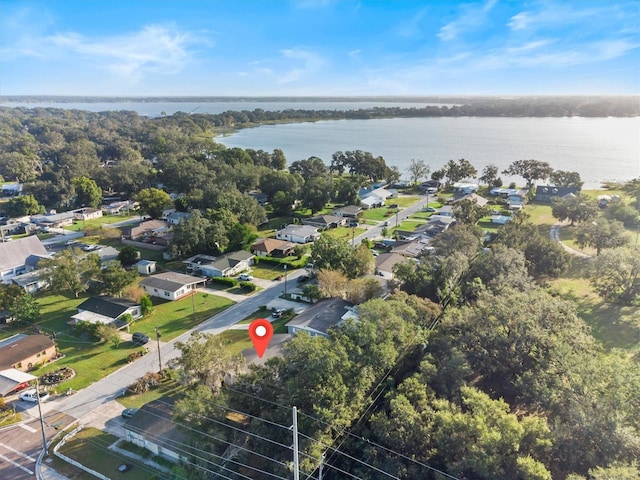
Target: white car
(32, 396)
(245, 277)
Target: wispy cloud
(161, 49)
(306, 62)
(470, 17)
(550, 14)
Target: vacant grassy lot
(89, 447)
(238, 340)
(175, 318)
(169, 387)
(378, 214)
(79, 225)
(345, 233)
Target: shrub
(147, 382)
(248, 286)
(229, 282)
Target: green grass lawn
(79, 225)
(403, 201)
(89, 447)
(345, 233)
(95, 360)
(378, 214)
(175, 318)
(409, 225)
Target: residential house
(20, 256)
(12, 189)
(411, 248)
(153, 428)
(500, 219)
(446, 211)
(259, 197)
(436, 224)
(31, 282)
(87, 214)
(272, 247)
(146, 230)
(546, 193)
(349, 211)
(227, 265)
(10, 379)
(195, 263)
(107, 310)
(108, 257)
(325, 222)
(464, 188)
(116, 208)
(298, 234)
(473, 197)
(321, 316)
(24, 352)
(174, 218)
(385, 263)
(170, 285)
(375, 198)
(53, 220)
(515, 197)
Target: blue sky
(319, 47)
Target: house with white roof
(298, 234)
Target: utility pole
(44, 437)
(285, 279)
(158, 336)
(296, 473)
(320, 467)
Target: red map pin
(260, 332)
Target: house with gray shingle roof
(20, 256)
(321, 316)
(171, 285)
(106, 310)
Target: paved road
(555, 235)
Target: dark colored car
(139, 338)
(129, 412)
(303, 278)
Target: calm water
(599, 149)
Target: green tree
(469, 212)
(116, 279)
(88, 194)
(418, 170)
(489, 175)
(109, 333)
(153, 201)
(462, 238)
(128, 255)
(25, 308)
(566, 179)
(146, 305)
(332, 253)
(530, 170)
(309, 169)
(71, 271)
(316, 193)
(601, 234)
(8, 294)
(21, 206)
(206, 361)
(615, 275)
(578, 208)
(192, 235)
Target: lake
(600, 149)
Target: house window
(167, 294)
(44, 353)
(19, 365)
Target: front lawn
(378, 214)
(90, 448)
(403, 201)
(410, 225)
(346, 233)
(94, 360)
(238, 340)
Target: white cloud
(471, 17)
(307, 63)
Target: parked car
(245, 277)
(303, 278)
(386, 223)
(129, 412)
(277, 313)
(91, 248)
(139, 338)
(430, 209)
(32, 396)
(353, 224)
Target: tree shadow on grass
(616, 326)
